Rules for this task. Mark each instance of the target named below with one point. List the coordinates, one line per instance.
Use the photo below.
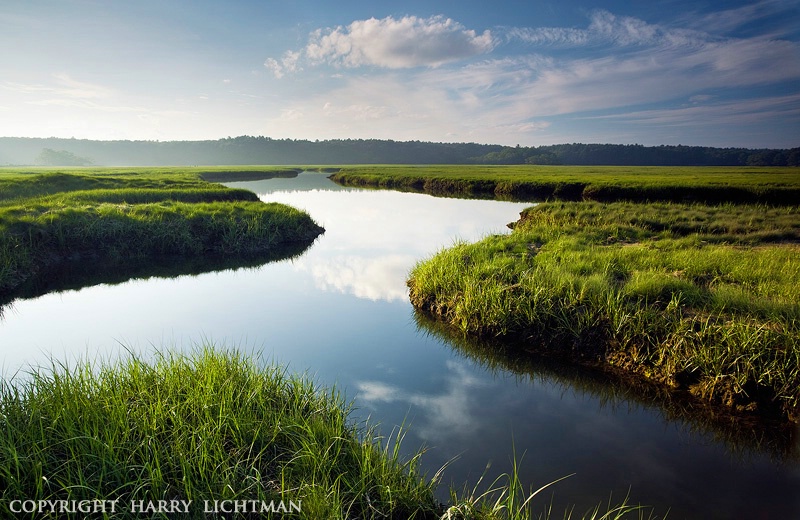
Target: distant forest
(20, 151)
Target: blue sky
(516, 72)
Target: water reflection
(73, 276)
(446, 414)
(375, 278)
(339, 313)
(743, 434)
(368, 249)
(607, 432)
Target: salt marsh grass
(214, 424)
(602, 183)
(50, 217)
(698, 298)
(211, 425)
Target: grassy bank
(775, 186)
(703, 299)
(210, 426)
(51, 217)
(215, 425)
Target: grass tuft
(211, 425)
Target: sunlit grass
(214, 424)
(203, 426)
(712, 306)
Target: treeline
(239, 150)
(639, 155)
(265, 150)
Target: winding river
(340, 313)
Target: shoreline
(53, 219)
(779, 186)
(617, 285)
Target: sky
(505, 72)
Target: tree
(50, 157)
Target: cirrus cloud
(608, 28)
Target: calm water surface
(340, 313)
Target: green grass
(49, 217)
(212, 425)
(205, 426)
(29, 182)
(699, 298)
(778, 186)
(217, 425)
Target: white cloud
(623, 30)
(389, 43)
(607, 28)
(289, 63)
(376, 391)
(613, 62)
(374, 278)
(398, 43)
(275, 67)
(548, 35)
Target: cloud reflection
(373, 238)
(379, 278)
(443, 415)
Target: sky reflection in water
(340, 313)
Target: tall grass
(217, 425)
(51, 217)
(210, 425)
(633, 286)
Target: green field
(52, 217)
(602, 183)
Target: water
(340, 313)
